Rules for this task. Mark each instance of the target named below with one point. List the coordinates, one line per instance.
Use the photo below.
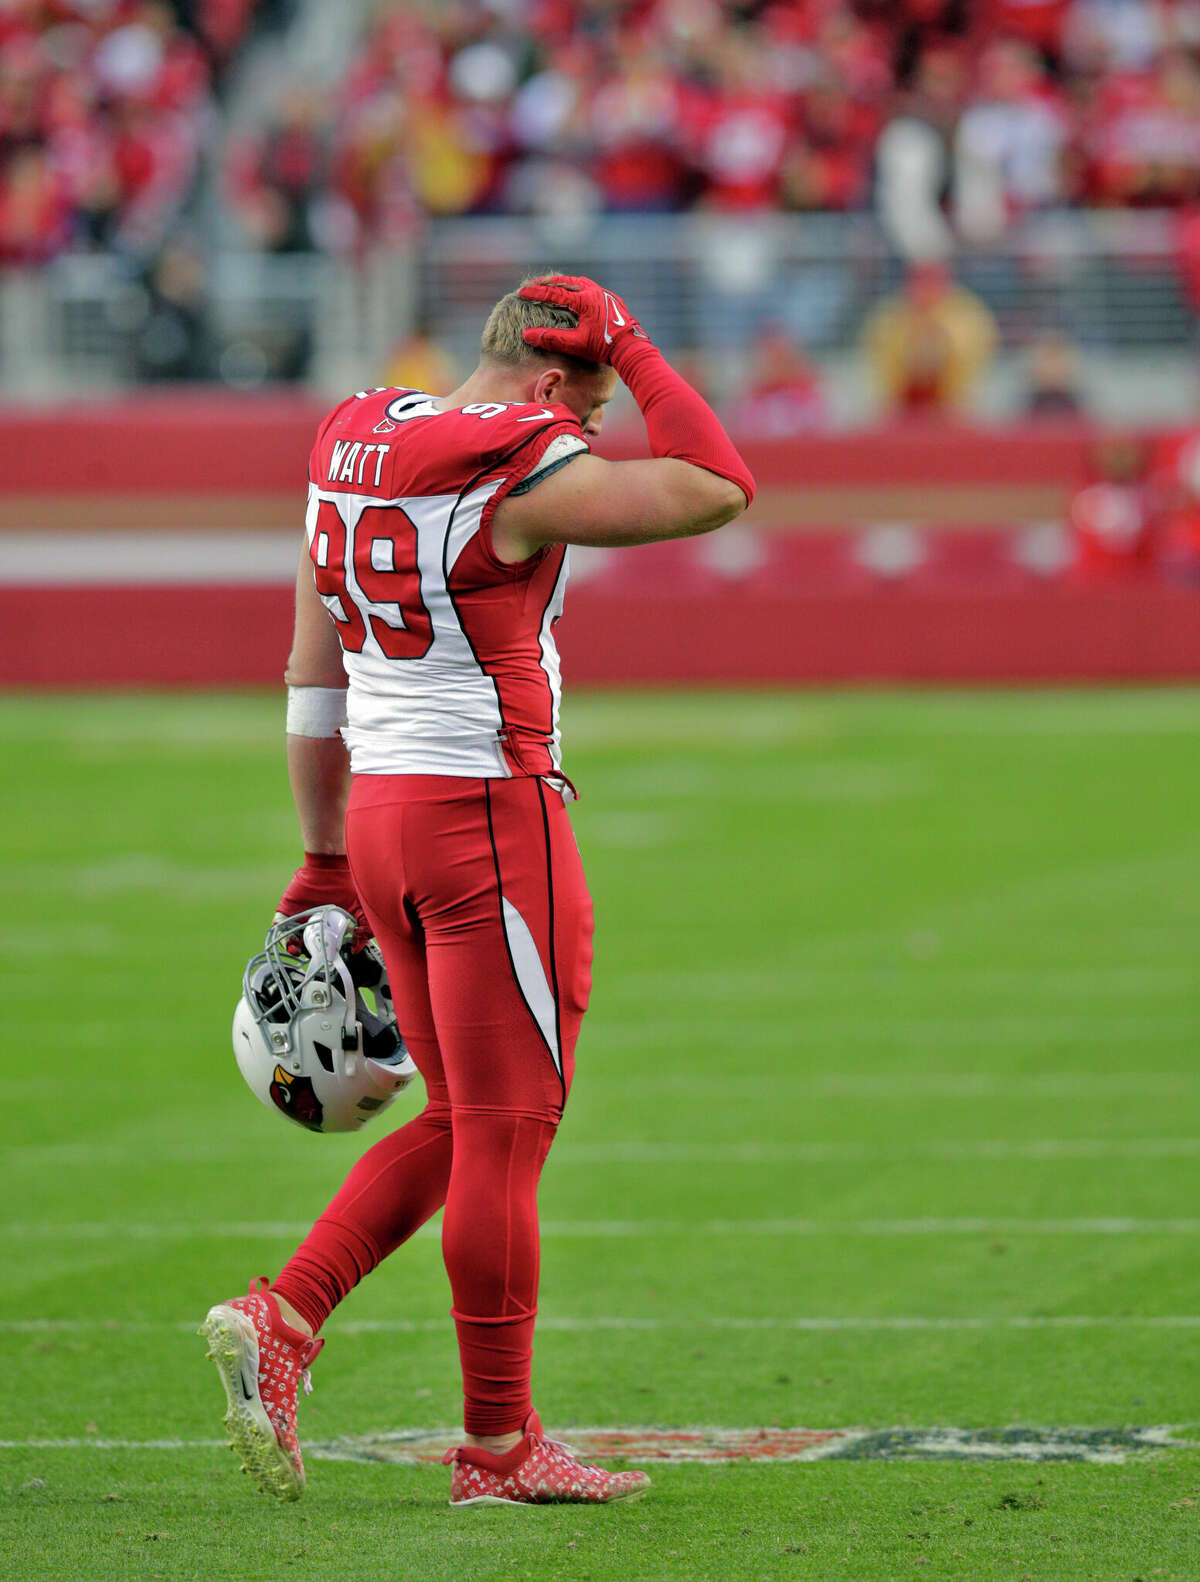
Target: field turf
(887, 1115)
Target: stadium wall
(153, 541)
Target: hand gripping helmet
(306, 1041)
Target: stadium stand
(637, 106)
(948, 249)
(1029, 554)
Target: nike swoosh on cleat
(246, 1390)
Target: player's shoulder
(433, 451)
(364, 411)
(465, 446)
(481, 423)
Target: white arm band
(315, 711)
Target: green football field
(886, 1119)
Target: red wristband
(324, 880)
(327, 861)
(679, 421)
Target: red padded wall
(800, 608)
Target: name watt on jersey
(351, 462)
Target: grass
(887, 1115)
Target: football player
(433, 804)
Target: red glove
(679, 422)
(605, 323)
(325, 880)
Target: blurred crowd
(125, 129)
(954, 116)
(1138, 513)
(104, 108)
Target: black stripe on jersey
(462, 494)
(512, 966)
(546, 472)
(550, 597)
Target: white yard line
(1086, 980)
(842, 1028)
(134, 1151)
(823, 719)
(568, 1230)
(802, 1323)
(718, 1445)
(98, 1443)
(151, 871)
(1053, 1148)
(893, 1088)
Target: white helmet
(306, 1041)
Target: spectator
(1010, 144)
(1110, 518)
(171, 341)
(928, 344)
(1037, 23)
(222, 24)
(540, 107)
(1053, 387)
(35, 216)
(419, 362)
(742, 132)
(783, 395)
(275, 180)
(914, 160)
(1177, 500)
(1111, 36)
(635, 124)
(828, 160)
(101, 115)
(1143, 147)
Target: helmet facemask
(306, 1038)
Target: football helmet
(306, 1040)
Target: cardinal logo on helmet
(297, 1099)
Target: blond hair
(502, 340)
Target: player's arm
(318, 764)
(696, 482)
(591, 501)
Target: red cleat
(261, 1361)
(538, 1471)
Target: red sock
(497, 1364)
(491, 1248)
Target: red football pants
(476, 894)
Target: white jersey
(449, 652)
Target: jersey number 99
(382, 548)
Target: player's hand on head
(324, 879)
(605, 323)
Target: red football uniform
(461, 851)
